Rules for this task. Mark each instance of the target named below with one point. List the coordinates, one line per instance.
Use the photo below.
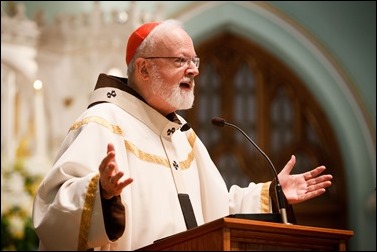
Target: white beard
(176, 97)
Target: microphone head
(218, 121)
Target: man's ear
(142, 68)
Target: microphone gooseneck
(279, 191)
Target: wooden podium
(227, 234)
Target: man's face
(175, 88)
(173, 70)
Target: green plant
(19, 182)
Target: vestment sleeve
(67, 211)
(114, 216)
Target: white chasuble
(150, 149)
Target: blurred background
(297, 76)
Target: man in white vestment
(130, 167)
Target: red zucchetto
(137, 37)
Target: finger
(313, 194)
(126, 182)
(114, 179)
(319, 186)
(112, 162)
(110, 147)
(120, 186)
(289, 166)
(319, 183)
(314, 173)
(106, 161)
(316, 180)
(110, 170)
(326, 177)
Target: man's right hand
(111, 178)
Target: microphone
(279, 192)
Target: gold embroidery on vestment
(191, 139)
(114, 128)
(86, 214)
(134, 149)
(147, 157)
(265, 198)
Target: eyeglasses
(181, 61)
